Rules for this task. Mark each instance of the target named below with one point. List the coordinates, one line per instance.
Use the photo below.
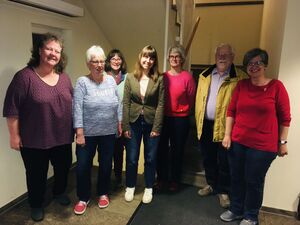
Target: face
(224, 58)
(116, 63)
(147, 62)
(256, 67)
(50, 53)
(175, 60)
(96, 65)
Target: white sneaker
(129, 194)
(147, 197)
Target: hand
(226, 142)
(282, 150)
(80, 140)
(15, 142)
(154, 134)
(127, 134)
(119, 129)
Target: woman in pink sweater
(257, 124)
(179, 99)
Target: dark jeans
(248, 170)
(140, 129)
(171, 147)
(118, 157)
(215, 160)
(85, 155)
(36, 163)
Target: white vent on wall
(57, 6)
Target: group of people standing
(242, 124)
(239, 122)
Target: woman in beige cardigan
(143, 108)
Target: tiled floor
(118, 213)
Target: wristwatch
(282, 142)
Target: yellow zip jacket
(223, 99)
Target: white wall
(15, 44)
(282, 183)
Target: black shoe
(62, 199)
(173, 187)
(159, 187)
(37, 214)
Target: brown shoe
(207, 190)
(224, 200)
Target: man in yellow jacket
(215, 87)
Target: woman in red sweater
(179, 99)
(257, 124)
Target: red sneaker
(103, 201)
(80, 207)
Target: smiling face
(175, 60)
(224, 58)
(50, 53)
(96, 66)
(146, 63)
(256, 67)
(116, 63)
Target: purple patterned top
(44, 111)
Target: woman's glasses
(97, 62)
(174, 57)
(257, 63)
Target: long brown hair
(153, 73)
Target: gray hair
(222, 45)
(93, 51)
(178, 49)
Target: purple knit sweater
(44, 111)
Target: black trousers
(118, 157)
(171, 148)
(215, 160)
(36, 162)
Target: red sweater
(179, 94)
(258, 111)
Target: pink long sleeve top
(179, 94)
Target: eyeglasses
(257, 63)
(224, 56)
(116, 59)
(96, 62)
(174, 57)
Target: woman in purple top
(38, 108)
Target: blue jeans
(248, 170)
(140, 129)
(85, 155)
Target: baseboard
(278, 211)
(198, 179)
(21, 199)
